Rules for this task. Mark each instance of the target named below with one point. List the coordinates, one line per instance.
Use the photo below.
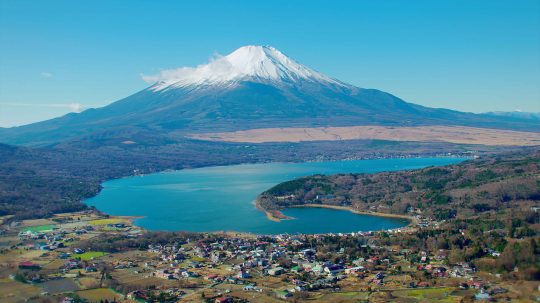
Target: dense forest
(37, 182)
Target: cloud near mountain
(170, 75)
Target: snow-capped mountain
(261, 64)
(253, 87)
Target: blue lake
(222, 198)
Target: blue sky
(59, 56)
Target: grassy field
(358, 295)
(37, 222)
(198, 259)
(129, 278)
(341, 297)
(39, 228)
(89, 255)
(54, 265)
(107, 221)
(13, 291)
(428, 294)
(98, 294)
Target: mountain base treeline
(37, 182)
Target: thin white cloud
(167, 74)
(218, 61)
(46, 75)
(74, 107)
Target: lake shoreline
(271, 215)
(275, 216)
(278, 215)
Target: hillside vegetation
(37, 182)
(491, 184)
(481, 208)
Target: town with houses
(59, 260)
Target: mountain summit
(248, 63)
(253, 87)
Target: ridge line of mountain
(253, 87)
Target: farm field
(13, 291)
(39, 228)
(443, 294)
(107, 221)
(90, 255)
(98, 294)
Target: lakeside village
(58, 260)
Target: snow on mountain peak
(248, 63)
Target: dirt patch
(451, 134)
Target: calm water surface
(222, 198)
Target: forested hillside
(480, 208)
(476, 186)
(37, 182)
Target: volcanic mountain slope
(253, 87)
